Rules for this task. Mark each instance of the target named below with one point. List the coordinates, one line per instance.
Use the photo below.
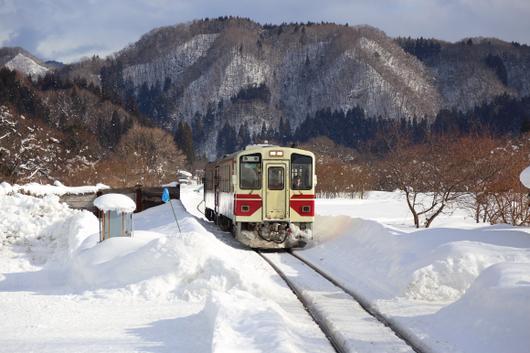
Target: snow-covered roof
(184, 172)
(525, 177)
(115, 202)
(57, 188)
(258, 145)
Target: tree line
(121, 147)
(478, 172)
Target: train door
(216, 189)
(275, 207)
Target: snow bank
(432, 264)
(160, 289)
(452, 268)
(155, 264)
(56, 189)
(23, 217)
(494, 311)
(476, 277)
(39, 230)
(115, 202)
(242, 298)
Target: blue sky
(67, 30)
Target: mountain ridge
(235, 71)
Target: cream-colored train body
(264, 194)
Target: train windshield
(301, 172)
(250, 171)
(275, 178)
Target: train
(264, 195)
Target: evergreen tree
(263, 134)
(284, 132)
(496, 64)
(112, 83)
(184, 140)
(243, 136)
(115, 130)
(198, 130)
(226, 140)
(167, 84)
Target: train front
(274, 204)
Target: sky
(67, 30)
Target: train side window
(301, 172)
(250, 171)
(276, 178)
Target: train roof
(261, 148)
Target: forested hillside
(57, 129)
(216, 85)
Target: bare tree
(144, 155)
(505, 197)
(432, 176)
(485, 161)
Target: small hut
(115, 215)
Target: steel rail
(314, 315)
(405, 336)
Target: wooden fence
(145, 197)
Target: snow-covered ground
(160, 291)
(457, 290)
(459, 287)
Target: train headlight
(276, 153)
(306, 209)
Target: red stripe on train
(305, 208)
(246, 207)
(248, 196)
(302, 197)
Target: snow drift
(227, 298)
(440, 283)
(494, 311)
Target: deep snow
(456, 290)
(353, 329)
(459, 287)
(160, 291)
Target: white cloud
(71, 47)
(5, 36)
(7, 7)
(66, 30)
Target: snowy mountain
(26, 65)
(214, 65)
(234, 75)
(235, 71)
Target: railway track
(349, 322)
